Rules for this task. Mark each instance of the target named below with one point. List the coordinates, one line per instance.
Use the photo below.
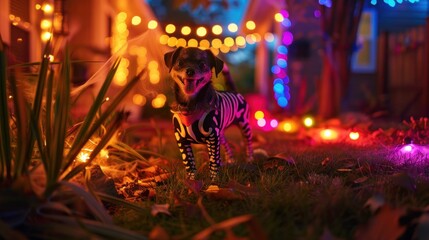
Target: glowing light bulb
(354, 136)
(407, 148)
(47, 8)
(262, 122)
(259, 114)
(329, 134)
(136, 20)
(308, 121)
(83, 157)
(232, 27)
(274, 123)
(152, 24)
(170, 28)
(250, 25)
(186, 30)
(201, 31)
(217, 29)
(279, 17)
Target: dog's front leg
(213, 145)
(187, 157)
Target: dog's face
(191, 68)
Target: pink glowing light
(262, 122)
(274, 123)
(287, 38)
(407, 148)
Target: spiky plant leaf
(5, 147)
(83, 138)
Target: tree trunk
(339, 24)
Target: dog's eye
(180, 63)
(202, 65)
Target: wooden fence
(403, 71)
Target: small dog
(200, 113)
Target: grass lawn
(295, 189)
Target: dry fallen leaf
(326, 161)
(214, 191)
(360, 180)
(160, 208)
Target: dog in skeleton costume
(200, 113)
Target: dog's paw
(213, 188)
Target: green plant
(38, 149)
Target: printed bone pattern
(209, 129)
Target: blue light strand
(279, 69)
(392, 3)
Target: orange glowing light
(228, 41)
(170, 28)
(136, 20)
(186, 30)
(216, 43)
(193, 42)
(152, 24)
(354, 136)
(250, 25)
(159, 101)
(289, 126)
(308, 121)
(329, 134)
(201, 31)
(240, 41)
(47, 8)
(83, 157)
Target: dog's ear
(170, 57)
(217, 63)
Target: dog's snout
(190, 72)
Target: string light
(232, 27)
(217, 29)
(201, 31)
(279, 69)
(152, 24)
(136, 20)
(186, 30)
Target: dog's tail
(229, 83)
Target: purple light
(278, 81)
(285, 13)
(287, 38)
(275, 69)
(317, 13)
(286, 23)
